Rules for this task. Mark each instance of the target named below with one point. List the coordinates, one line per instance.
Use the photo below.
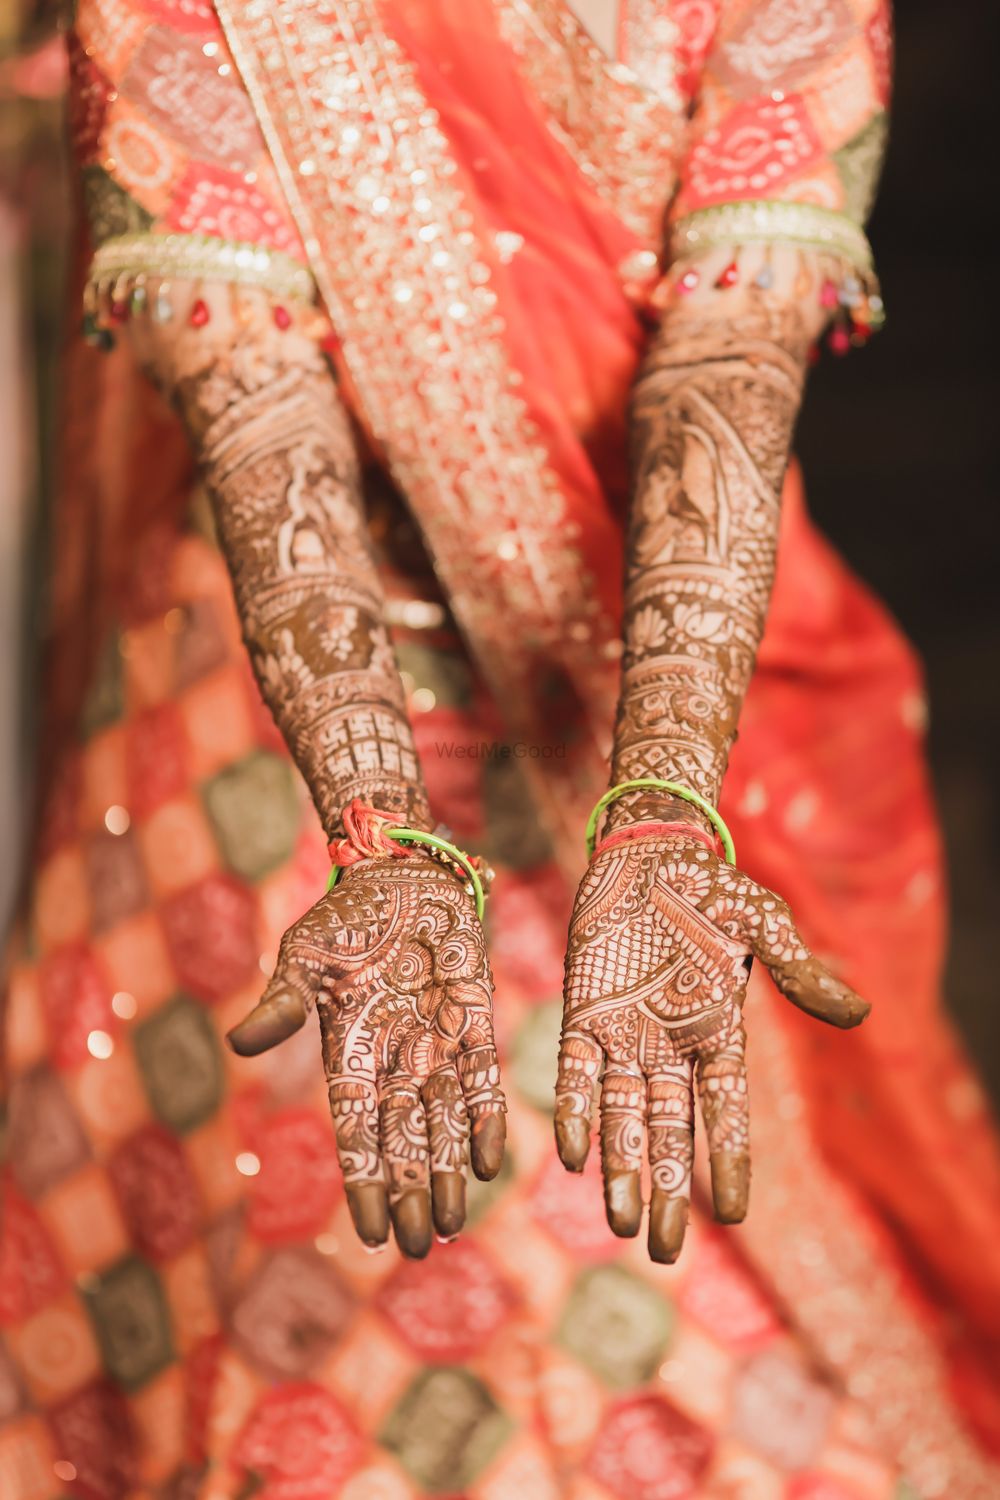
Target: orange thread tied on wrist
(365, 835)
(368, 836)
(689, 831)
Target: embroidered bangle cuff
(198, 257)
(768, 221)
(845, 282)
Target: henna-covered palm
(394, 961)
(660, 945)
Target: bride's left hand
(660, 945)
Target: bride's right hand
(394, 960)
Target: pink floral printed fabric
(790, 103)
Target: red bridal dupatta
(479, 196)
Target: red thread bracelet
(643, 830)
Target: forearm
(278, 459)
(712, 419)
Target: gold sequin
(623, 136)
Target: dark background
(898, 443)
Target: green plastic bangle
(676, 790)
(417, 836)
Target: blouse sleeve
(177, 181)
(788, 129)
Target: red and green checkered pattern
(168, 1321)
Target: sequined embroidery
(649, 39)
(623, 136)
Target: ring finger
(670, 1124)
(448, 1130)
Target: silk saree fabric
(478, 196)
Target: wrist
(405, 800)
(372, 834)
(653, 806)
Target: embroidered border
(201, 258)
(807, 1235)
(770, 220)
(648, 39)
(622, 135)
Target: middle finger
(623, 1107)
(670, 1124)
(448, 1128)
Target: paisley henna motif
(394, 961)
(656, 974)
(393, 958)
(278, 457)
(662, 933)
(712, 418)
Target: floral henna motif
(393, 958)
(278, 457)
(662, 933)
(712, 418)
(394, 961)
(656, 974)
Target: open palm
(394, 961)
(660, 945)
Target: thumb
(281, 1010)
(798, 973)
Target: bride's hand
(656, 973)
(394, 960)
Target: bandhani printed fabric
(174, 1326)
(184, 1310)
(778, 101)
(791, 105)
(164, 132)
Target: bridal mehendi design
(662, 932)
(278, 457)
(712, 418)
(394, 961)
(656, 975)
(393, 958)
